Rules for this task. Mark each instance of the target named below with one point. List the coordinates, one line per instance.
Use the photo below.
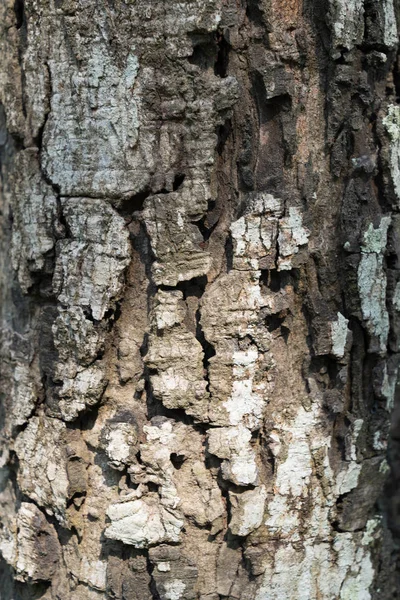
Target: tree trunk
(200, 207)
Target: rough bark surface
(200, 209)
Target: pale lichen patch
(174, 589)
(232, 444)
(372, 285)
(347, 22)
(43, 465)
(339, 334)
(247, 510)
(392, 126)
(292, 236)
(142, 523)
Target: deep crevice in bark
(222, 61)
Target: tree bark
(200, 209)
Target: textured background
(200, 299)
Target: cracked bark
(200, 300)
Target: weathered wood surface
(200, 299)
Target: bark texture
(200, 209)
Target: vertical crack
(222, 61)
(208, 348)
(152, 583)
(19, 10)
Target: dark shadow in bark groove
(16, 590)
(224, 131)
(135, 203)
(222, 61)
(205, 50)
(208, 349)
(229, 252)
(207, 223)
(155, 407)
(178, 181)
(127, 207)
(19, 10)
(275, 280)
(177, 460)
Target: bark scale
(200, 299)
